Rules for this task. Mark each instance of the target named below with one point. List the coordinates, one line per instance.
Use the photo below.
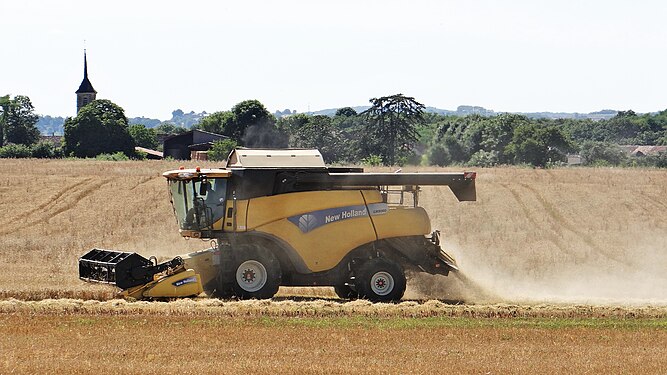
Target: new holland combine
(282, 217)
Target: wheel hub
(251, 275)
(382, 283)
(248, 276)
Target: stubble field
(563, 271)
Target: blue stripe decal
(315, 219)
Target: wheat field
(581, 235)
(562, 271)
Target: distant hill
(186, 120)
(332, 111)
(178, 118)
(145, 121)
(464, 110)
(48, 125)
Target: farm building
(150, 154)
(182, 146)
(640, 151)
(647, 150)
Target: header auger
(281, 217)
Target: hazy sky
(152, 57)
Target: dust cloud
(639, 278)
(571, 235)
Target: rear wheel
(257, 273)
(380, 280)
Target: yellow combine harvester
(282, 217)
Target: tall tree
(19, 121)
(538, 145)
(498, 133)
(217, 122)
(391, 125)
(4, 106)
(99, 128)
(248, 113)
(143, 136)
(319, 132)
(169, 128)
(346, 112)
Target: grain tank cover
(272, 158)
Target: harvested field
(563, 272)
(581, 235)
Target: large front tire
(380, 280)
(257, 273)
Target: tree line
(395, 130)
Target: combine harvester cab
(282, 217)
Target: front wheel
(380, 280)
(257, 273)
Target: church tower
(86, 93)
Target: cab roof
(275, 158)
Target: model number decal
(187, 280)
(312, 220)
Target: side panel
(323, 248)
(182, 284)
(231, 223)
(321, 226)
(204, 262)
(264, 210)
(402, 221)
(399, 221)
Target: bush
(372, 160)
(602, 154)
(143, 136)
(656, 161)
(46, 150)
(439, 156)
(14, 151)
(221, 149)
(483, 158)
(118, 156)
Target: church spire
(86, 93)
(85, 65)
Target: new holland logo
(307, 222)
(187, 280)
(312, 220)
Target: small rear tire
(257, 273)
(380, 280)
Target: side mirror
(204, 187)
